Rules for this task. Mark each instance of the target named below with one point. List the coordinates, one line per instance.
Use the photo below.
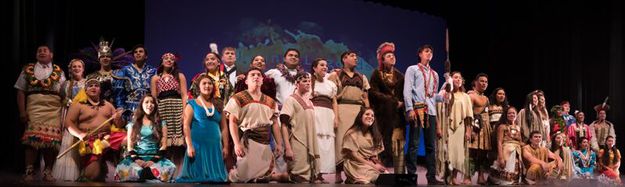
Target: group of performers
(290, 125)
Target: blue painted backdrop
(322, 28)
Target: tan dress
(255, 119)
(457, 150)
(510, 172)
(305, 163)
(442, 122)
(350, 100)
(567, 171)
(527, 128)
(356, 171)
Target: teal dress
(208, 164)
(147, 147)
(584, 168)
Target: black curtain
(66, 26)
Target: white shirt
(41, 72)
(233, 76)
(284, 88)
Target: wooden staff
(87, 135)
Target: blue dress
(208, 164)
(146, 147)
(584, 167)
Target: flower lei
(45, 83)
(286, 74)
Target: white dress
(324, 124)
(66, 167)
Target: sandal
(47, 176)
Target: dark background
(571, 50)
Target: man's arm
(119, 84)
(21, 106)
(408, 83)
(71, 121)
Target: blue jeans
(429, 134)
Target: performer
(66, 167)
(255, 114)
(558, 123)
(298, 132)
(508, 168)
(541, 110)
(204, 131)
(585, 159)
(86, 117)
(559, 148)
(566, 109)
(609, 162)
(228, 67)
(326, 111)
(169, 85)
(284, 74)
(39, 105)
(133, 82)
(284, 77)
(601, 128)
(362, 145)
(528, 118)
(387, 101)
(480, 143)
(498, 102)
(536, 160)
(579, 130)
(105, 74)
(224, 78)
(458, 127)
(352, 89)
(146, 147)
(420, 86)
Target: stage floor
(11, 179)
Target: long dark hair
(375, 132)
(605, 158)
(504, 117)
(138, 121)
(314, 75)
(218, 61)
(579, 142)
(528, 110)
(174, 71)
(493, 98)
(554, 145)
